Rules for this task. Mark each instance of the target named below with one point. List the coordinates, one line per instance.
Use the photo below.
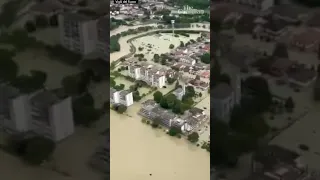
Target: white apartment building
(103, 37)
(151, 76)
(121, 97)
(41, 112)
(78, 32)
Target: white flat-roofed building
(148, 74)
(78, 32)
(42, 112)
(124, 97)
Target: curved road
(125, 46)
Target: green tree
(163, 61)
(171, 100)
(174, 131)
(38, 78)
(177, 108)
(119, 87)
(163, 103)
(86, 99)
(85, 115)
(187, 100)
(156, 57)
(30, 26)
(190, 92)
(200, 94)
(205, 58)
(8, 70)
(193, 137)
(120, 108)
(70, 85)
(157, 96)
(259, 88)
(136, 96)
(181, 44)
(38, 149)
(171, 46)
(289, 104)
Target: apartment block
(225, 97)
(42, 112)
(124, 97)
(78, 32)
(148, 74)
(103, 36)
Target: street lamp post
(172, 23)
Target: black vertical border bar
(107, 116)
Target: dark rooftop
(272, 155)
(275, 24)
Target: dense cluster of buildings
(273, 22)
(141, 10)
(148, 73)
(123, 97)
(187, 59)
(42, 112)
(188, 122)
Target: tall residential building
(124, 97)
(78, 32)
(103, 27)
(150, 75)
(51, 116)
(42, 112)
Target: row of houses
(123, 97)
(42, 112)
(189, 122)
